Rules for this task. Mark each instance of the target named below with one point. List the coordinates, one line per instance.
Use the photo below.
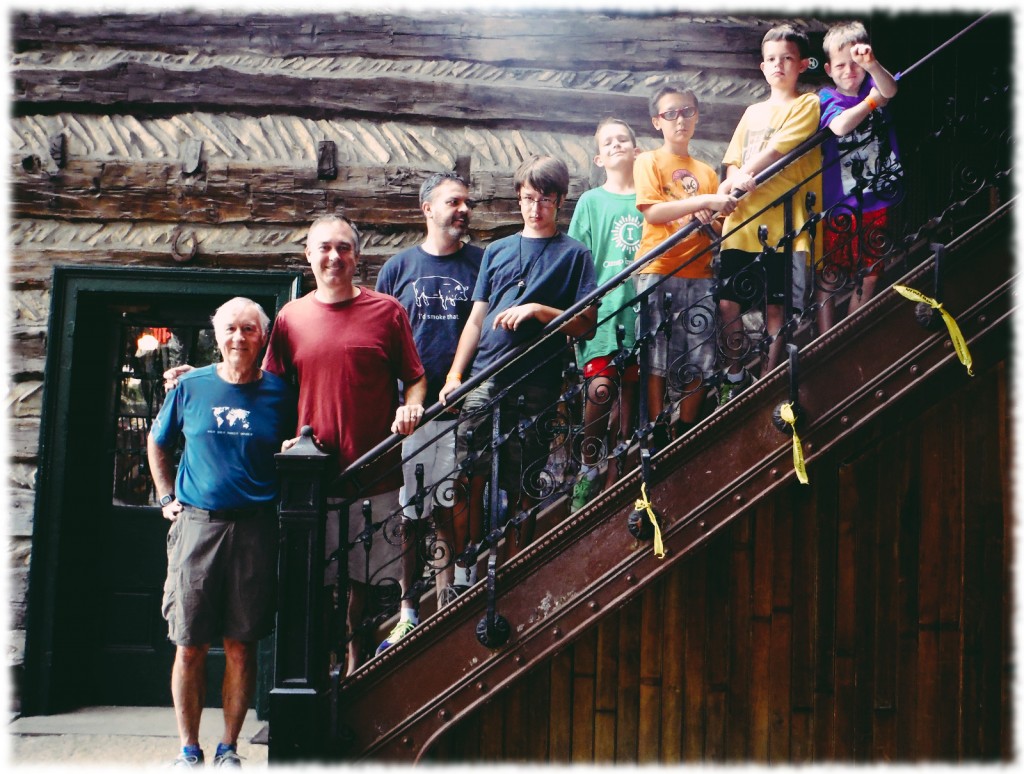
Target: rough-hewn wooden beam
(582, 40)
(117, 191)
(148, 89)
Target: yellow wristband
(453, 375)
(871, 103)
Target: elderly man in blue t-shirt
(222, 543)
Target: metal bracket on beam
(327, 160)
(192, 157)
(59, 149)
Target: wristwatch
(167, 499)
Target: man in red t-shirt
(348, 347)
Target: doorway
(95, 635)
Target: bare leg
(354, 616)
(413, 536)
(188, 689)
(238, 687)
(867, 292)
(602, 394)
(444, 558)
(731, 334)
(655, 396)
(826, 310)
(773, 324)
(689, 407)
(625, 424)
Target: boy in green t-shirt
(606, 220)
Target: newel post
(299, 706)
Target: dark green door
(95, 631)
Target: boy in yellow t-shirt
(673, 188)
(766, 132)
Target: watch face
(166, 499)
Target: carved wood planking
(138, 88)
(583, 40)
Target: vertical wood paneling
(605, 693)
(538, 714)
(760, 641)
(628, 724)
(780, 682)
(492, 743)
(886, 611)
(583, 664)
(862, 619)
(560, 722)
(738, 712)
(517, 722)
(717, 646)
(695, 657)
(673, 644)
(653, 627)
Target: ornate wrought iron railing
(848, 252)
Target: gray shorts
(692, 345)
(433, 447)
(221, 577)
(522, 461)
(386, 545)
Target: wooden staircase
(586, 566)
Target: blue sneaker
(189, 758)
(401, 629)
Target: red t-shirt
(347, 358)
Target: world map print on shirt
(236, 418)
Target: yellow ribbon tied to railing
(644, 504)
(959, 344)
(786, 412)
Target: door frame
(44, 657)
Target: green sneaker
(401, 629)
(728, 391)
(584, 491)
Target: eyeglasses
(529, 201)
(687, 111)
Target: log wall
(865, 619)
(197, 140)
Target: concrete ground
(118, 737)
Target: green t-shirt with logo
(611, 226)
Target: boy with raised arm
(857, 162)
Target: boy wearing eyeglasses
(672, 189)
(526, 280)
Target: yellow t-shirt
(781, 127)
(660, 176)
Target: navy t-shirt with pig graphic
(437, 293)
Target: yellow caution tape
(644, 504)
(786, 412)
(959, 344)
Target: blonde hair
(839, 36)
(608, 120)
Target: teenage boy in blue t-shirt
(526, 280)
